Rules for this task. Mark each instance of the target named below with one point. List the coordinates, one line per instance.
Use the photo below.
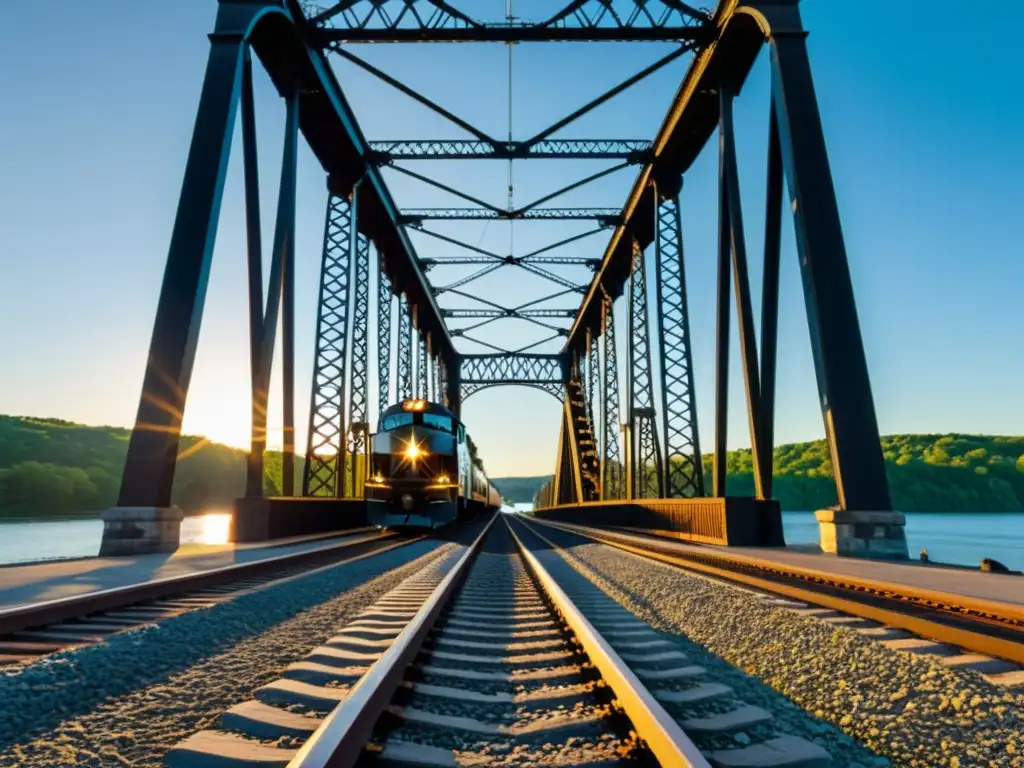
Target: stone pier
(140, 530)
(862, 534)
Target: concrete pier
(850, 533)
(140, 530)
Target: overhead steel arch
(557, 391)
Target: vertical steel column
(684, 468)
(404, 384)
(284, 241)
(593, 353)
(325, 448)
(421, 367)
(429, 393)
(770, 294)
(442, 383)
(258, 413)
(643, 454)
(848, 409)
(611, 454)
(358, 417)
(453, 385)
(435, 380)
(744, 313)
(722, 327)
(383, 336)
(153, 447)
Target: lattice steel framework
(421, 367)
(611, 453)
(543, 372)
(364, 21)
(643, 455)
(631, 150)
(292, 50)
(442, 384)
(683, 469)
(325, 448)
(606, 217)
(358, 416)
(593, 376)
(404, 383)
(435, 379)
(384, 301)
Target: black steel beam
(330, 128)
(691, 120)
(507, 33)
(631, 150)
(416, 216)
(497, 313)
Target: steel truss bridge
(619, 440)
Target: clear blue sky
(923, 122)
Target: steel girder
(837, 348)
(513, 261)
(467, 314)
(366, 21)
(317, 108)
(643, 455)
(632, 150)
(404, 383)
(421, 368)
(358, 416)
(544, 372)
(593, 377)
(611, 453)
(325, 447)
(683, 470)
(384, 301)
(607, 217)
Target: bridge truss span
(452, 334)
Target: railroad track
(32, 631)
(500, 655)
(961, 630)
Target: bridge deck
(956, 580)
(50, 580)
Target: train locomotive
(421, 473)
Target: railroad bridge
(629, 447)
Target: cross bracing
(445, 319)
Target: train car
(421, 474)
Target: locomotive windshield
(430, 420)
(437, 421)
(396, 420)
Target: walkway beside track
(55, 579)
(961, 581)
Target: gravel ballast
(910, 710)
(127, 700)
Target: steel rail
(339, 741)
(662, 735)
(21, 617)
(970, 616)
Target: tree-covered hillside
(54, 467)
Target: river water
(963, 539)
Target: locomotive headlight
(442, 479)
(413, 451)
